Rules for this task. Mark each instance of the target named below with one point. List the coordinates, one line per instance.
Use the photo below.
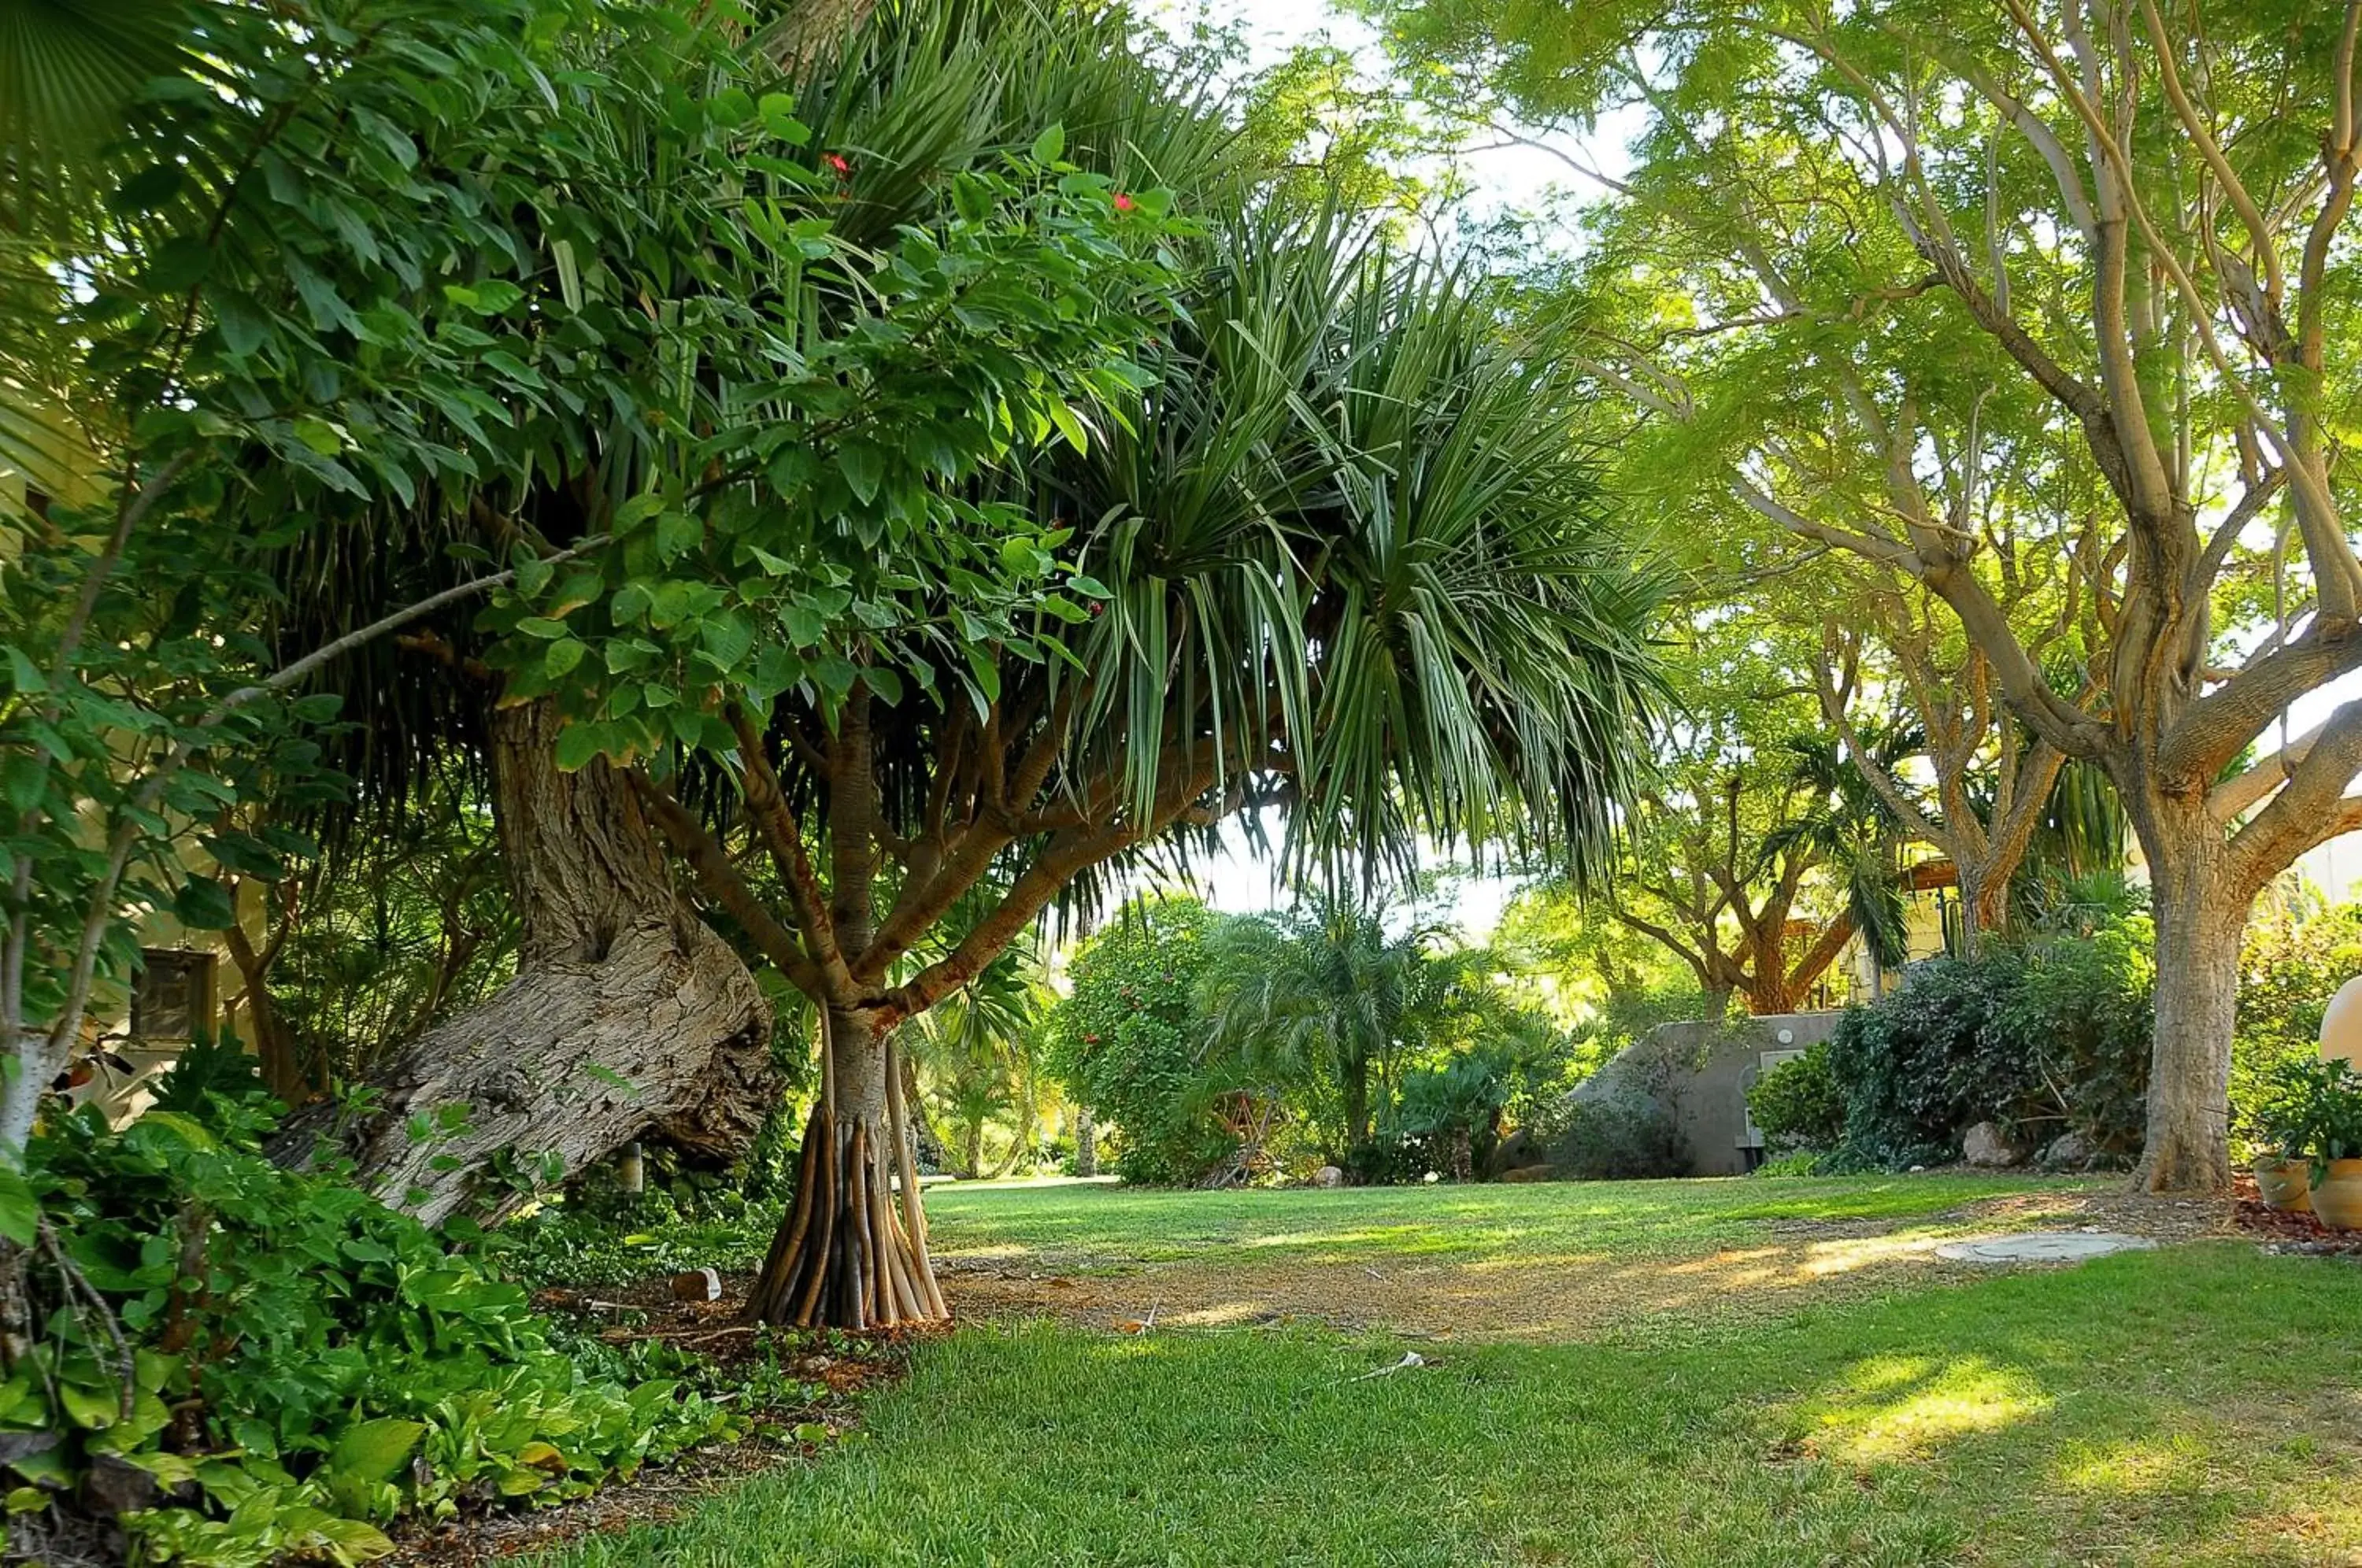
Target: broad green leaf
(374, 1450)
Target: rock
(697, 1285)
(112, 1486)
(1984, 1146)
(1329, 1175)
(1531, 1173)
(1519, 1150)
(2070, 1152)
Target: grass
(2193, 1405)
(1098, 1224)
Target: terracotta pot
(2286, 1184)
(2338, 1199)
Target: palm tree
(1341, 550)
(1327, 989)
(975, 1052)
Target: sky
(1516, 177)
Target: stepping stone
(2044, 1247)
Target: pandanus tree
(909, 491)
(1333, 987)
(749, 297)
(1340, 555)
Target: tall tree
(2110, 227)
(264, 288)
(1320, 536)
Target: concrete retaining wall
(1700, 1073)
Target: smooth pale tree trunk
(1087, 1142)
(628, 1017)
(2201, 914)
(851, 1252)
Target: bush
(2040, 1039)
(1128, 1043)
(1390, 1159)
(1802, 1163)
(2294, 958)
(1798, 1104)
(1619, 1138)
(1453, 1110)
(304, 1363)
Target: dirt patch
(2303, 1234)
(1562, 1297)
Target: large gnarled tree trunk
(627, 1017)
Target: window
(173, 997)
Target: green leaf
(864, 469)
(23, 777)
(20, 1211)
(676, 533)
(542, 626)
(26, 675)
(561, 657)
(374, 1450)
(148, 190)
(638, 510)
(579, 743)
(204, 904)
(778, 111)
(320, 436)
(180, 263)
(1068, 425)
(92, 1407)
(1050, 145)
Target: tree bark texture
(851, 1252)
(627, 1018)
(2202, 911)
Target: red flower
(1124, 204)
(836, 161)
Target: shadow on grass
(2193, 1405)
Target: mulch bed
(848, 1366)
(2300, 1235)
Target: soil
(1575, 1297)
(2298, 1234)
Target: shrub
(2073, 1040)
(1389, 1159)
(1905, 1062)
(2295, 956)
(1798, 1104)
(1619, 1138)
(1454, 1110)
(1128, 1043)
(304, 1363)
(2040, 1039)
(1802, 1163)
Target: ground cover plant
(2116, 1413)
(238, 1362)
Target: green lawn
(1089, 1224)
(2197, 1403)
